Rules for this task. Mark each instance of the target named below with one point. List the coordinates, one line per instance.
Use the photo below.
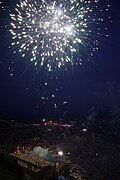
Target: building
(35, 166)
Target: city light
(60, 153)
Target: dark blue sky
(26, 93)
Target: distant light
(84, 130)
(68, 153)
(43, 120)
(60, 153)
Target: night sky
(26, 93)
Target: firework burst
(54, 33)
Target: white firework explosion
(54, 33)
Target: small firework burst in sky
(54, 33)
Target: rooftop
(30, 158)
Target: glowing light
(60, 153)
(43, 120)
(84, 130)
(56, 33)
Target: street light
(60, 153)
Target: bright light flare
(60, 153)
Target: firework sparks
(56, 33)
